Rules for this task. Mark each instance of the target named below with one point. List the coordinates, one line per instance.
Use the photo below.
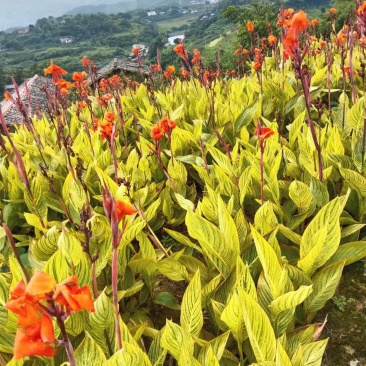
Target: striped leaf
(324, 285)
(290, 299)
(212, 241)
(57, 267)
(301, 195)
(282, 358)
(271, 267)
(259, 328)
(176, 340)
(70, 247)
(350, 253)
(130, 354)
(89, 353)
(191, 317)
(354, 179)
(313, 352)
(321, 237)
(265, 219)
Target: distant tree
(260, 12)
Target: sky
(20, 13)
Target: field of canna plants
(193, 219)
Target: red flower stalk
(263, 134)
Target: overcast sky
(24, 12)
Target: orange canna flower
(109, 117)
(299, 23)
(313, 39)
(265, 133)
(257, 66)
(196, 57)
(184, 73)
(155, 68)
(323, 44)
(332, 11)
(246, 52)
(7, 96)
(272, 39)
(250, 26)
(179, 50)
(167, 125)
(314, 22)
(135, 50)
(85, 62)
(363, 41)
(75, 298)
(123, 209)
(361, 11)
(35, 339)
(54, 70)
(341, 38)
(169, 72)
(79, 76)
(155, 133)
(24, 300)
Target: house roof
(120, 65)
(38, 99)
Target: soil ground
(346, 326)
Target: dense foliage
(209, 217)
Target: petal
(47, 331)
(40, 283)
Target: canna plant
(204, 236)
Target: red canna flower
(54, 70)
(123, 209)
(264, 133)
(35, 339)
(250, 27)
(75, 298)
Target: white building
(65, 40)
(151, 13)
(175, 36)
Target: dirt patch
(346, 325)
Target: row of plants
(247, 191)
